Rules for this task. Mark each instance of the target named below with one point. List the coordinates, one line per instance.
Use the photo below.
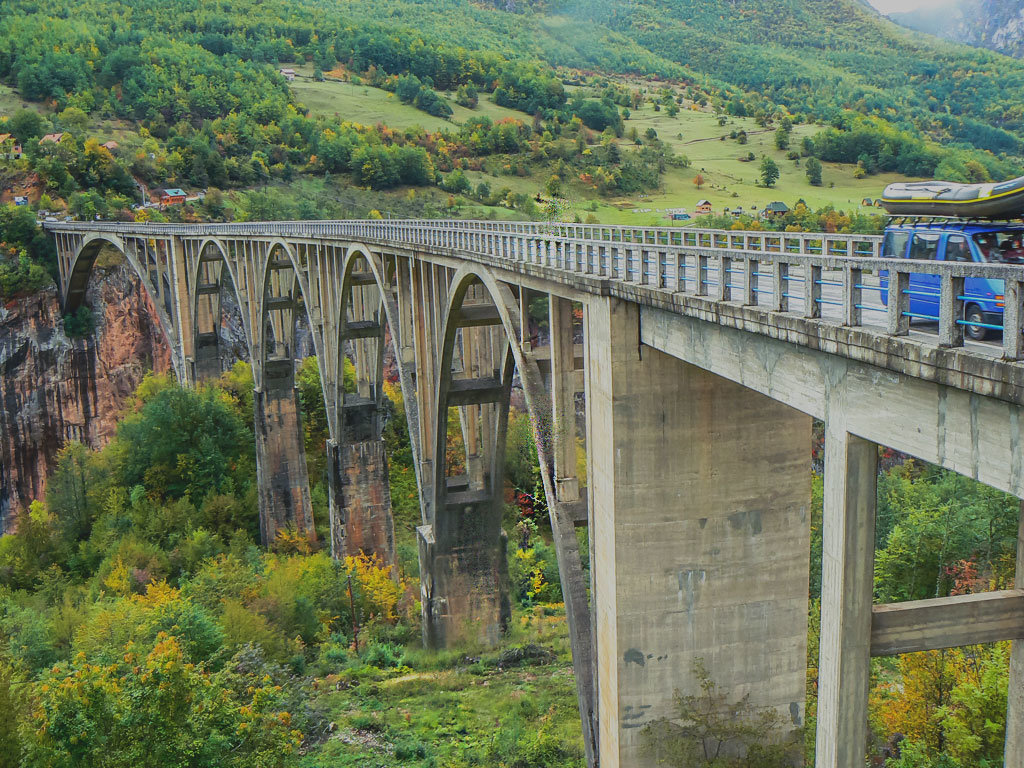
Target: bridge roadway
(698, 394)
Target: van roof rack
(947, 222)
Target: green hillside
(566, 108)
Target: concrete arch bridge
(689, 363)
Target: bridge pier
(360, 500)
(700, 491)
(281, 456)
(464, 575)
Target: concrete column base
(464, 579)
(281, 465)
(360, 500)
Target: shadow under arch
(76, 283)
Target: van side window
(895, 245)
(957, 249)
(924, 247)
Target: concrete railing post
(951, 311)
(899, 303)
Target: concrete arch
(360, 498)
(389, 302)
(285, 501)
(206, 350)
(77, 280)
(464, 576)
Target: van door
(924, 288)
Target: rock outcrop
(54, 389)
(994, 24)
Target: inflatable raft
(947, 198)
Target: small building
(288, 74)
(703, 207)
(51, 138)
(867, 202)
(774, 209)
(171, 196)
(110, 146)
(21, 200)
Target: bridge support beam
(700, 491)
(281, 460)
(360, 500)
(847, 586)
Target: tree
(553, 186)
(782, 138)
(708, 727)
(769, 172)
(813, 170)
(26, 124)
(698, 180)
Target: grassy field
(369, 106)
(729, 181)
(461, 708)
(11, 102)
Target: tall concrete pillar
(1015, 698)
(360, 500)
(281, 456)
(847, 583)
(700, 498)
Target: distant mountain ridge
(994, 24)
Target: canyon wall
(54, 389)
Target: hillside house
(51, 138)
(703, 207)
(171, 196)
(774, 210)
(288, 74)
(110, 146)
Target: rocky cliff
(54, 389)
(994, 24)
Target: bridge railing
(831, 277)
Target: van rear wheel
(974, 328)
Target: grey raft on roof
(947, 198)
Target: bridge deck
(815, 289)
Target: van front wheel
(974, 317)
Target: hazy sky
(888, 6)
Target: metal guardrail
(813, 275)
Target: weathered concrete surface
(847, 581)
(464, 576)
(281, 463)
(360, 500)
(976, 436)
(700, 493)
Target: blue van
(952, 241)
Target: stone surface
(54, 389)
(361, 520)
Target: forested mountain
(994, 24)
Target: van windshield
(1005, 246)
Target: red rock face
(54, 390)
